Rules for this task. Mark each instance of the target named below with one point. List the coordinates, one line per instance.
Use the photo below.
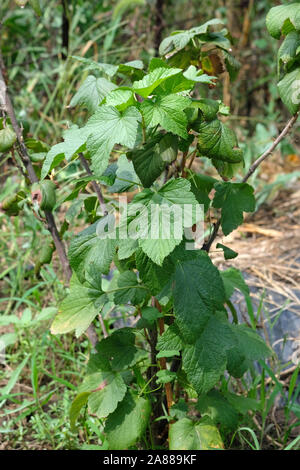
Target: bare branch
(268, 152)
(251, 170)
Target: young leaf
(167, 111)
(149, 317)
(228, 252)
(108, 127)
(165, 376)
(147, 85)
(128, 423)
(233, 199)
(186, 434)
(92, 92)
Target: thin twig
(268, 152)
(251, 170)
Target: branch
(251, 170)
(95, 185)
(268, 152)
(7, 107)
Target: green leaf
(179, 410)
(108, 127)
(149, 316)
(232, 65)
(167, 111)
(126, 248)
(109, 69)
(219, 410)
(128, 423)
(129, 289)
(198, 292)
(119, 348)
(74, 140)
(250, 347)
(289, 90)
(169, 353)
(165, 376)
(242, 404)
(233, 279)
(92, 92)
(77, 404)
(126, 178)
(106, 389)
(282, 19)
(175, 84)
(179, 39)
(120, 98)
(228, 252)
(88, 248)
(288, 49)
(209, 108)
(151, 160)
(215, 140)
(147, 85)
(7, 138)
(170, 339)
(196, 75)
(233, 199)
(153, 276)
(80, 307)
(157, 238)
(250, 343)
(201, 186)
(205, 360)
(132, 69)
(186, 434)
